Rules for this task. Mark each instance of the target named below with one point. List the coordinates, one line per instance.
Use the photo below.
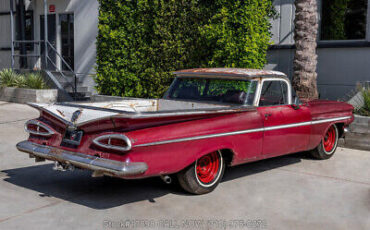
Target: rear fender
(208, 150)
(319, 131)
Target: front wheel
(204, 175)
(328, 144)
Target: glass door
(52, 39)
(66, 22)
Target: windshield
(229, 91)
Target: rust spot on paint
(230, 72)
(61, 113)
(56, 151)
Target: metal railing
(34, 55)
(38, 55)
(74, 86)
(355, 96)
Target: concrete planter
(20, 95)
(359, 134)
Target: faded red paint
(246, 147)
(173, 157)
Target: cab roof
(229, 72)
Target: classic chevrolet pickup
(207, 120)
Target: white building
(72, 30)
(343, 58)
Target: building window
(343, 19)
(66, 22)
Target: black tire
(326, 149)
(190, 180)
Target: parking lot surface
(289, 192)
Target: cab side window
(274, 93)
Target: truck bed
(133, 109)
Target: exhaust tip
(346, 130)
(167, 179)
(39, 159)
(97, 174)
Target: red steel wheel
(328, 144)
(329, 140)
(207, 168)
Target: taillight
(37, 128)
(117, 142)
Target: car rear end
(109, 142)
(51, 137)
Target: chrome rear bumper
(101, 165)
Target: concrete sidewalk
(290, 192)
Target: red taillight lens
(37, 128)
(118, 142)
(104, 141)
(32, 127)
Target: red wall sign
(52, 9)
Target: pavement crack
(7, 122)
(31, 210)
(43, 206)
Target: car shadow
(238, 171)
(106, 192)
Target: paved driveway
(290, 192)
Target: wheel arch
(319, 132)
(226, 151)
(340, 126)
(228, 155)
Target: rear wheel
(328, 144)
(204, 175)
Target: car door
(286, 129)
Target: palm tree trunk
(305, 58)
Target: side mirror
(296, 103)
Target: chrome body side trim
(244, 131)
(293, 125)
(201, 137)
(111, 167)
(97, 142)
(38, 124)
(329, 120)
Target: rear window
(213, 90)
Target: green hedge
(141, 42)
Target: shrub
(20, 81)
(9, 78)
(141, 42)
(366, 96)
(35, 81)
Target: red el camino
(207, 120)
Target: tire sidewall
(188, 179)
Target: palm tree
(305, 58)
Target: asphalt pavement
(289, 192)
